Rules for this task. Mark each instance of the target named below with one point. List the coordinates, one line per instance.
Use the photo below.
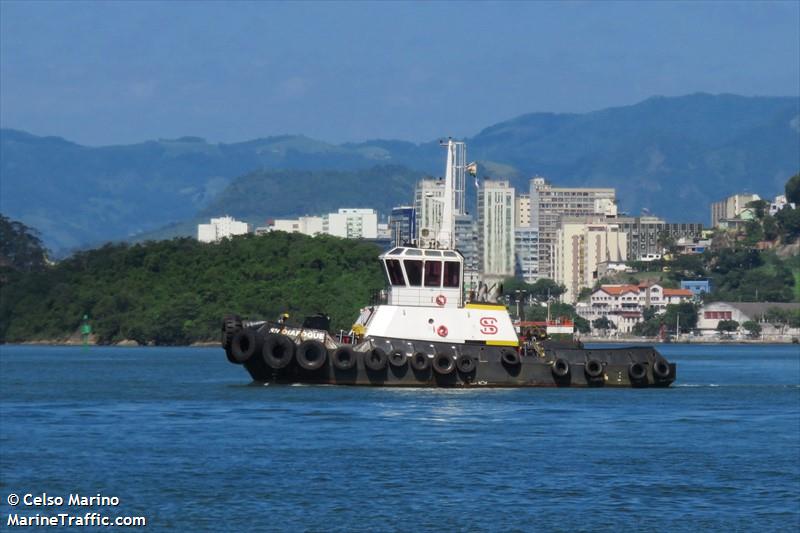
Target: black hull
(607, 367)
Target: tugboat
(423, 331)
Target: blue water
(182, 439)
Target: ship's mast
(453, 198)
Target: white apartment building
(549, 204)
(526, 253)
(352, 223)
(496, 228)
(428, 207)
(305, 225)
(581, 244)
(779, 203)
(220, 228)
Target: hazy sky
(121, 72)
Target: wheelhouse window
(395, 272)
(452, 273)
(433, 273)
(414, 272)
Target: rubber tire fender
(344, 358)
(230, 325)
(593, 369)
(444, 363)
(420, 361)
(278, 351)
(311, 355)
(375, 359)
(661, 369)
(509, 358)
(398, 359)
(466, 364)
(561, 368)
(245, 343)
(637, 371)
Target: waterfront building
(645, 234)
(402, 225)
(710, 314)
(496, 228)
(220, 228)
(581, 244)
(624, 305)
(548, 204)
(730, 208)
(351, 223)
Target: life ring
(442, 331)
(637, 371)
(444, 363)
(561, 368)
(420, 361)
(593, 368)
(311, 355)
(441, 300)
(245, 343)
(278, 350)
(466, 364)
(344, 358)
(375, 359)
(661, 369)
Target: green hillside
(176, 292)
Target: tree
(603, 323)
(793, 189)
(647, 328)
(20, 246)
(684, 314)
(778, 317)
(753, 328)
(585, 294)
(759, 207)
(789, 223)
(727, 326)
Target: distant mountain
(671, 155)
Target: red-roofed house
(624, 304)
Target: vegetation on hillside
(20, 246)
(176, 292)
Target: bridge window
(414, 272)
(395, 272)
(452, 273)
(433, 273)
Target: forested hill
(176, 292)
(672, 155)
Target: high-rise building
(548, 204)
(467, 243)
(496, 228)
(428, 207)
(522, 211)
(644, 234)
(402, 225)
(730, 207)
(581, 244)
(220, 228)
(526, 253)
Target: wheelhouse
(424, 277)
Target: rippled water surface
(182, 438)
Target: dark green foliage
(20, 246)
(603, 323)
(652, 323)
(747, 275)
(176, 292)
(540, 291)
(788, 220)
(759, 207)
(753, 328)
(793, 189)
(727, 326)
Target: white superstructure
(425, 300)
